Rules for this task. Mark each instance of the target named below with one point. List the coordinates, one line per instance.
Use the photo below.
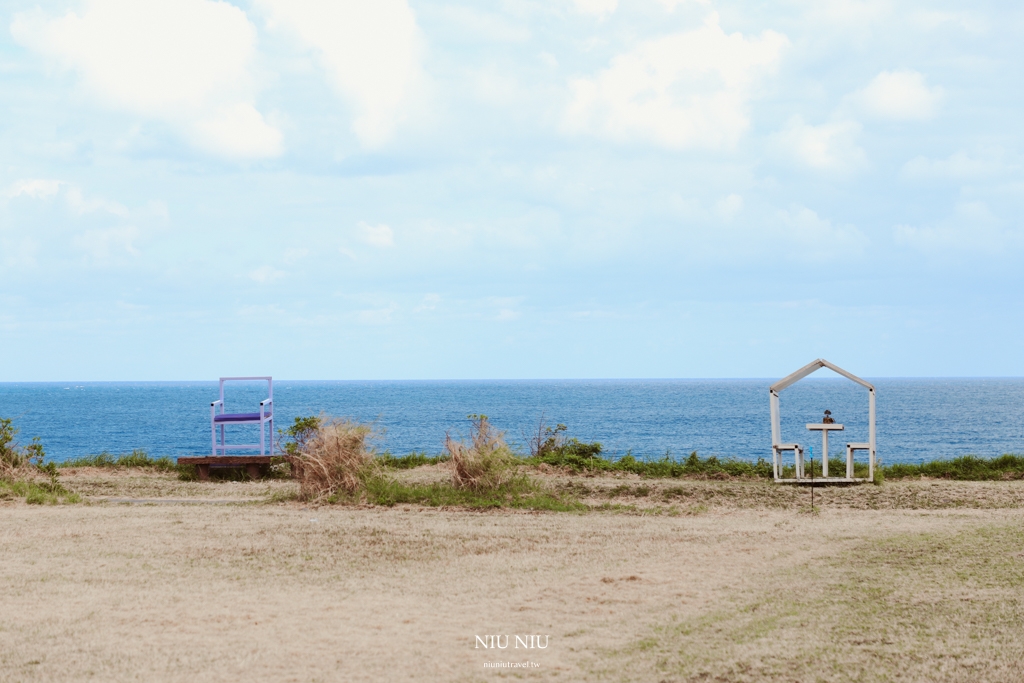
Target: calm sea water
(918, 419)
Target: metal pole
(811, 449)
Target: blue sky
(572, 188)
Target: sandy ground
(683, 581)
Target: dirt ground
(661, 581)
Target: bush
(551, 447)
(300, 431)
(333, 459)
(14, 457)
(485, 462)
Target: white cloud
(182, 62)
(899, 96)
(968, 21)
(957, 166)
(376, 316)
(77, 201)
(429, 303)
(683, 90)
(971, 228)
(371, 52)
(598, 8)
(728, 207)
(35, 188)
(381, 236)
(480, 26)
(17, 252)
(266, 274)
(82, 205)
(847, 13)
(501, 308)
(237, 130)
(671, 5)
(829, 146)
(109, 243)
(812, 236)
(293, 255)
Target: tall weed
(483, 463)
(333, 459)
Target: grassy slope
(946, 606)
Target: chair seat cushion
(239, 417)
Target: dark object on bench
(255, 465)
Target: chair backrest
(268, 380)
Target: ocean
(917, 419)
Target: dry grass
(915, 581)
(335, 459)
(98, 485)
(290, 593)
(939, 603)
(485, 462)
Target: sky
(406, 189)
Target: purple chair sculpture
(263, 418)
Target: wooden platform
(254, 465)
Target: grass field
(657, 580)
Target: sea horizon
(919, 419)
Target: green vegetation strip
(520, 493)
(137, 458)
(37, 493)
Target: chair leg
(204, 472)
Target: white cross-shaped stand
(824, 429)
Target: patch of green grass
(137, 458)
(836, 468)
(964, 468)
(519, 493)
(283, 496)
(38, 493)
(410, 461)
(662, 468)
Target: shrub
(485, 462)
(333, 459)
(14, 457)
(300, 431)
(551, 447)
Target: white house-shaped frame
(778, 448)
